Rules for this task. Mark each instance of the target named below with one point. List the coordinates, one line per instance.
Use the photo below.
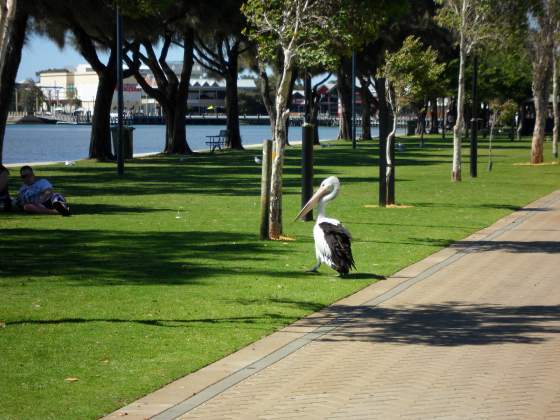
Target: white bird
(332, 240)
(258, 160)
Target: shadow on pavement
(446, 324)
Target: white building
(62, 87)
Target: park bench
(217, 141)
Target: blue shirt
(32, 193)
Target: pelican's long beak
(320, 193)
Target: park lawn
(160, 273)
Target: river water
(43, 143)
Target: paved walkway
(470, 332)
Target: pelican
(332, 240)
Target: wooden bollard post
(265, 188)
(307, 167)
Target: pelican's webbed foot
(313, 270)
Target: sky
(40, 53)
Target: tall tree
(302, 31)
(91, 29)
(218, 48)
(317, 93)
(344, 89)
(556, 77)
(100, 139)
(220, 54)
(30, 96)
(284, 24)
(171, 90)
(410, 72)
(13, 24)
(470, 20)
(399, 20)
(505, 75)
(541, 40)
(478, 25)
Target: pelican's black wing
(338, 239)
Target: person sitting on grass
(36, 196)
(5, 200)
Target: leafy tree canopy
(413, 70)
(320, 30)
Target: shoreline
(138, 155)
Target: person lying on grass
(36, 196)
(5, 200)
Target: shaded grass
(126, 297)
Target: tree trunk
(315, 117)
(384, 127)
(366, 110)
(344, 89)
(459, 119)
(390, 147)
(542, 67)
(279, 138)
(266, 94)
(100, 140)
(289, 104)
(13, 25)
(434, 129)
(540, 95)
(421, 124)
(175, 125)
(232, 107)
(444, 113)
(520, 121)
(556, 111)
(176, 141)
(175, 128)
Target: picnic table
(217, 141)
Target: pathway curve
(472, 331)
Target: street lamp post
(120, 100)
(307, 149)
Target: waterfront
(45, 142)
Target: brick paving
(473, 333)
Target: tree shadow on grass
(168, 323)
(111, 209)
(284, 302)
(488, 206)
(238, 175)
(448, 324)
(233, 173)
(92, 257)
(445, 324)
(419, 226)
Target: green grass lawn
(126, 297)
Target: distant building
(57, 86)
(329, 105)
(71, 90)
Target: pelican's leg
(315, 267)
